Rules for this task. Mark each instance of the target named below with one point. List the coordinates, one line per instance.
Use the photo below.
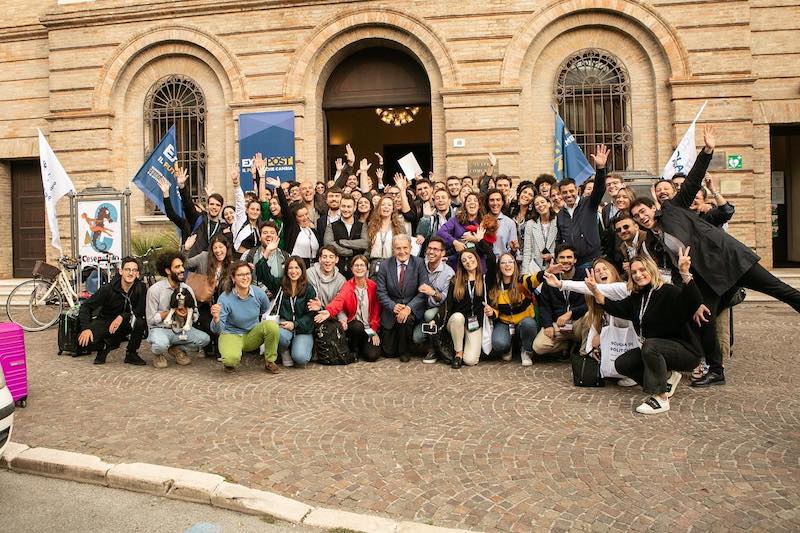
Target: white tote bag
(615, 341)
(488, 325)
(273, 312)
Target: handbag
(586, 371)
(488, 325)
(615, 341)
(202, 289)
(273, 312)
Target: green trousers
(231, 345)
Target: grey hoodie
(327, 287)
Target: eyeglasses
(620, 229)
(435, 249)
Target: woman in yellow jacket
(511, 298)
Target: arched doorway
(378, 99)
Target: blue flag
(161, 164)
(568, 158)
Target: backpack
(330, 344)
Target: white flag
(684, 155)
(56, 184)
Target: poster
(99, 230)
(272, 134)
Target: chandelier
(397, 117)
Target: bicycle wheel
(27, 307)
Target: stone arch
(639, 51)
(167, 40)
(313, 64)
(636, 13)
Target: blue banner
(568, 158)
(272, 134)
(161, 164)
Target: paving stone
(495, 447)
(175, 483)
(62, 464)
(332, 519)
(252, 501)
(414, 527)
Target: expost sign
(271, 134)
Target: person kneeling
(661, 314)
(121, 312)
(358, 299)
(236, 319)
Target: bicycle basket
(45, 271)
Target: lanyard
(211, 232)
(642, 311)
(293, 299)
(471, 289)
(384, 235)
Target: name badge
(511, 329)
(473, 324)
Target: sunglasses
(620, 229)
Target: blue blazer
(390, 293)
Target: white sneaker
(527, 360)
(653, 406)
(507, 356)
(286, 358)
(627, 382)
(672, 382)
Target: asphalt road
(33, 504)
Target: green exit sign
(734, 162)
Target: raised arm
(600, 157)
(694, 180)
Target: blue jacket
(580, 230)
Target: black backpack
(330, 344)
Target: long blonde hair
(462, 277)
(650, 266)
(375, 221)
(595, 313)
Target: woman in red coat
(359, 301)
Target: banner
(56, 183)
(272, 134)
(568, 158)
(99, 230)
(685, 154)
(161, 164)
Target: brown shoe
(180, 355)
(160, 361)
(272, 368)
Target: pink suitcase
(12, 361)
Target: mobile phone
(430, 329)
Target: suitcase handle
(17, 363)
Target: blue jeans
(301, 345)
(501, 336)
(161, 339)
(418, 336)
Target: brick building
(481, 75)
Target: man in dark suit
(399, 280)
(720, 263)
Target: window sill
(151, 220)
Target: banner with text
(272, 134)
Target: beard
(176, 277)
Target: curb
(197, 487)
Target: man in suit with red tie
(399, 280)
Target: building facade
(95, 76)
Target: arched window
(178, 100)
(593, 96)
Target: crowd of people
(456, 271)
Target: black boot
(102, 353)
(132, 358)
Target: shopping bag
(615, 341)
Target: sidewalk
(497, 447)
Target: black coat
(718, 258)
(110, 301)
(553, 302)
(581, 229)
(668, 314)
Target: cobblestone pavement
(497, 447)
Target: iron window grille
(592, 93)
(178, 100)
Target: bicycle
(37, 303)
(148, 272)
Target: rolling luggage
(12, 361)
(68, 331)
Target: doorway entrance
(27, 216)
(378, 99)
(785, 181)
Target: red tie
(402, 274)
